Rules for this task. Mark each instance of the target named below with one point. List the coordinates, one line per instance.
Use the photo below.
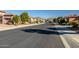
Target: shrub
(16, 20)
(74, 24)
(61, 20)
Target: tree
(0, 19)
(67, 20)
(24, 17)
(55, 20)
(16, 20)
(60, 20)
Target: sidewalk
(72, 40)
(69, 38)
(4, 27)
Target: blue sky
(45, 13)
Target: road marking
(64, 42)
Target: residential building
(73, 18)
(5, 18)
(36, 20)
(32, 20)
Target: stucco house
(5, 18)
(32, 20)
(39, 20)
(36, 20)
(73, 18)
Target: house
(5, 18)
(73, 18)
(36, 20)
(39, 20)
(32, 20)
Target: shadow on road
(53, 30)
(61, 28)
(65, 30)
(40, 31)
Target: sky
(45, 13)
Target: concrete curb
(16, 27)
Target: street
(39, 36)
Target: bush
(61, 20)
(74, 24)
(16, 20)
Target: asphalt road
(39, 36)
